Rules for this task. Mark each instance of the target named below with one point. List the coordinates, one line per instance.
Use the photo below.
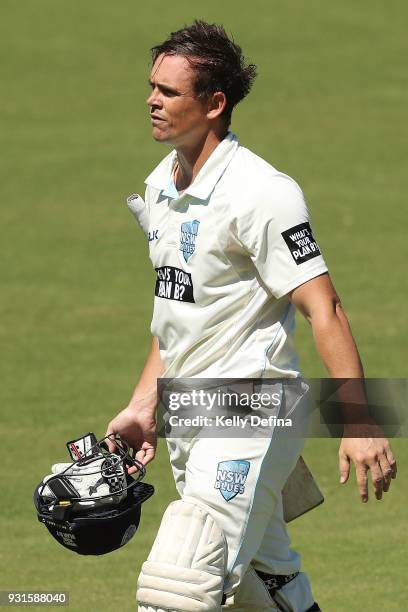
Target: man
(231, 242)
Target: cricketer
(231, 241)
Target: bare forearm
(336, 346)
(335, 343)
(136, 424)
(145, 392)
(363, 441)
(320, 305)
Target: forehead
(172, 70)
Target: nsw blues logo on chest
(188, 237)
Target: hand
(365, 445)
(137, 427)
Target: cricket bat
(300, 493)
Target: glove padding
(102, 475)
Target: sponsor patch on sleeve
(301, 243)
(174, 284)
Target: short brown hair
(216, 59)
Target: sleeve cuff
(299, 280)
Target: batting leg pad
(186, 567)
(251, 596)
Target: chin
(159, 136)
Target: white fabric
(186, 566)
(251, 596)
(252, 521)
(138, 208)
(221, 310)
(296, 596)
(241, 322)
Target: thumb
(344, 468)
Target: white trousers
(239, 481)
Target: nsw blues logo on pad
(231, 478)
(188, 235)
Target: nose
(154, 100)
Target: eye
(169, 93)
(165, 91)
(151, 85)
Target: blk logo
(153, 235)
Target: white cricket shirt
(227, 251)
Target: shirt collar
(205, 181)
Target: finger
(109, 442)
(344, 468)
(140, 455)
(392, 462)
(362, 481)
(386, 472)
(145, 455)
(149, 455)
(377, 479)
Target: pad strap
(274, 582)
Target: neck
(192, 158)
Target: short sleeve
(276, 231)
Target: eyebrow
(164, 87)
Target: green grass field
(329, 108)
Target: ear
(216, 104)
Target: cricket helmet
(92, 505)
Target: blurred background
(328, 108)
